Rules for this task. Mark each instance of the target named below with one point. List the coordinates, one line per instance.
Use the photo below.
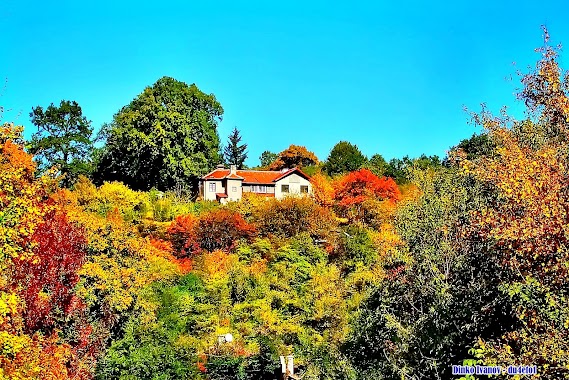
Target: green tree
(235, 153)
(63, 139)
(165, 138)
(377, 165)
(267, 158)
(443, 289)
(344, 157)
(476, 146)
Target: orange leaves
(294, 156)
(218, 263)
(322, 190)
(220, 229)
(181, 233)
(356, 187)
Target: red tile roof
(253, 176)
(221, 195)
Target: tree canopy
(294, 156)
(344, 157)
(267, 158)
(165, 138)
(63, 139)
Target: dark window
(284, 188)
(304, 189)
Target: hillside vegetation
(387, 271)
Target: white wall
(294, 181)
(234, 195)
(210, 195)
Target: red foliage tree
(221, 230)
(217, 230)
(361, 185)
(182, 235)
(47, 283)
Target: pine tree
(234, 153)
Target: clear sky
(391, 77)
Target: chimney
(233, 169)
(220, 166)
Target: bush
(220, 229)
(293, 215)
(132, 205)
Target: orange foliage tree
(355, 190)
(37, 275)
(294, 156)
(322, 190)
(527, 219)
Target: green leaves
(165, 138)
(63, 140)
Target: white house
(229, 184)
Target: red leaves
(217, 230)
(47, 285)
(356, 187)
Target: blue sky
(390, 77)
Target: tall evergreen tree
(63, 139)
(235, 153)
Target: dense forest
(111, 268)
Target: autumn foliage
(49, 279)
(292, 157)
(468, 263)
(356, 187)
(216, 230)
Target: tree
(63, 139)
(294, 156)
(442, 291)
(234, 153)
(476, 146)
(527, 219)
(377, 165)
(165, 138)
(344, 157)
(355, 187)
(267, 158)
(361, 194)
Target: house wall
(294, 181)
(269, 189)
(210, 195)
(238, 193)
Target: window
(212, 187)
(234, 189)
(259, 188)
(304, 189)
(284, 188)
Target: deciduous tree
(294, 156)
(165, 138)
